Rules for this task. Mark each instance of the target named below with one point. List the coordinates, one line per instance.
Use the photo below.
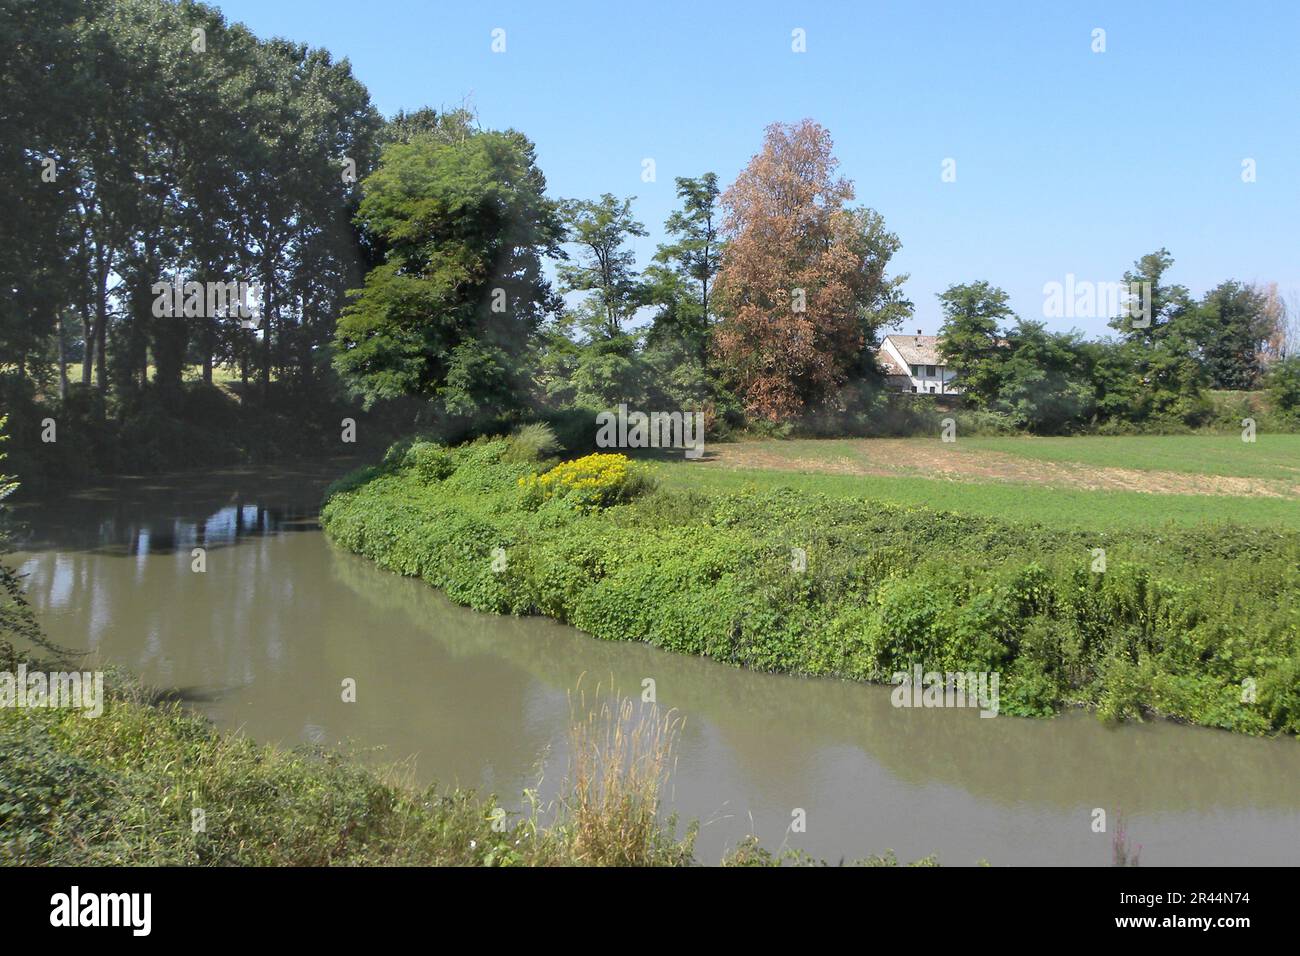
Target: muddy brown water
(262, 640)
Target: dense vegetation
(1180, 622)
(1155, 376)
(144, 143)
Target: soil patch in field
(897, 456)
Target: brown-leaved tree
(802, 287)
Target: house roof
(917, 349)
(890, 366)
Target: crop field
(1085, 482)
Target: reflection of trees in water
(126, 534)
(157, 617)
(783, 727)
(135, 516)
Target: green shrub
(532, 443)
(430, 461)
(1283, 384)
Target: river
(262, 640)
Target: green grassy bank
(1200, 624)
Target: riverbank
(1196, 624)
(147, 783)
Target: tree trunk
(63, 362)
(101, 342)
(88, 338)
(268, 314)
(101, 326)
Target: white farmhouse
(912, 363)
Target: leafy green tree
(970, 339)
(1165, 378)
(1283, 385)
(1230, 327)
(682, 275)
(1162, 304)
(679, 283)
(450, 313)
(605, 266)
(39, 117)
(1043, 381)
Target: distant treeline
(1154, 374)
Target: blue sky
(1067, 161)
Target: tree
(684, 270)
(217, 166)
(1162, 304)
(970, 339)
(802, 288)
(449, 314)
(605, 267)
(1283, 385)
(1043, 380)
(680, 282)
(1156, 373)
(1230, 328)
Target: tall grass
(1122, 852)
(621, 757)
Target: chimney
(918, 333)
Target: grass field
(1090, 482)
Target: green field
(1100, 483)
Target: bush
(596, 481)
(531, 443)
(430, 461)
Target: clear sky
(1067, 161)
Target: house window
(931, 388)
(929, 370)
(916, 372)
(914, 388)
